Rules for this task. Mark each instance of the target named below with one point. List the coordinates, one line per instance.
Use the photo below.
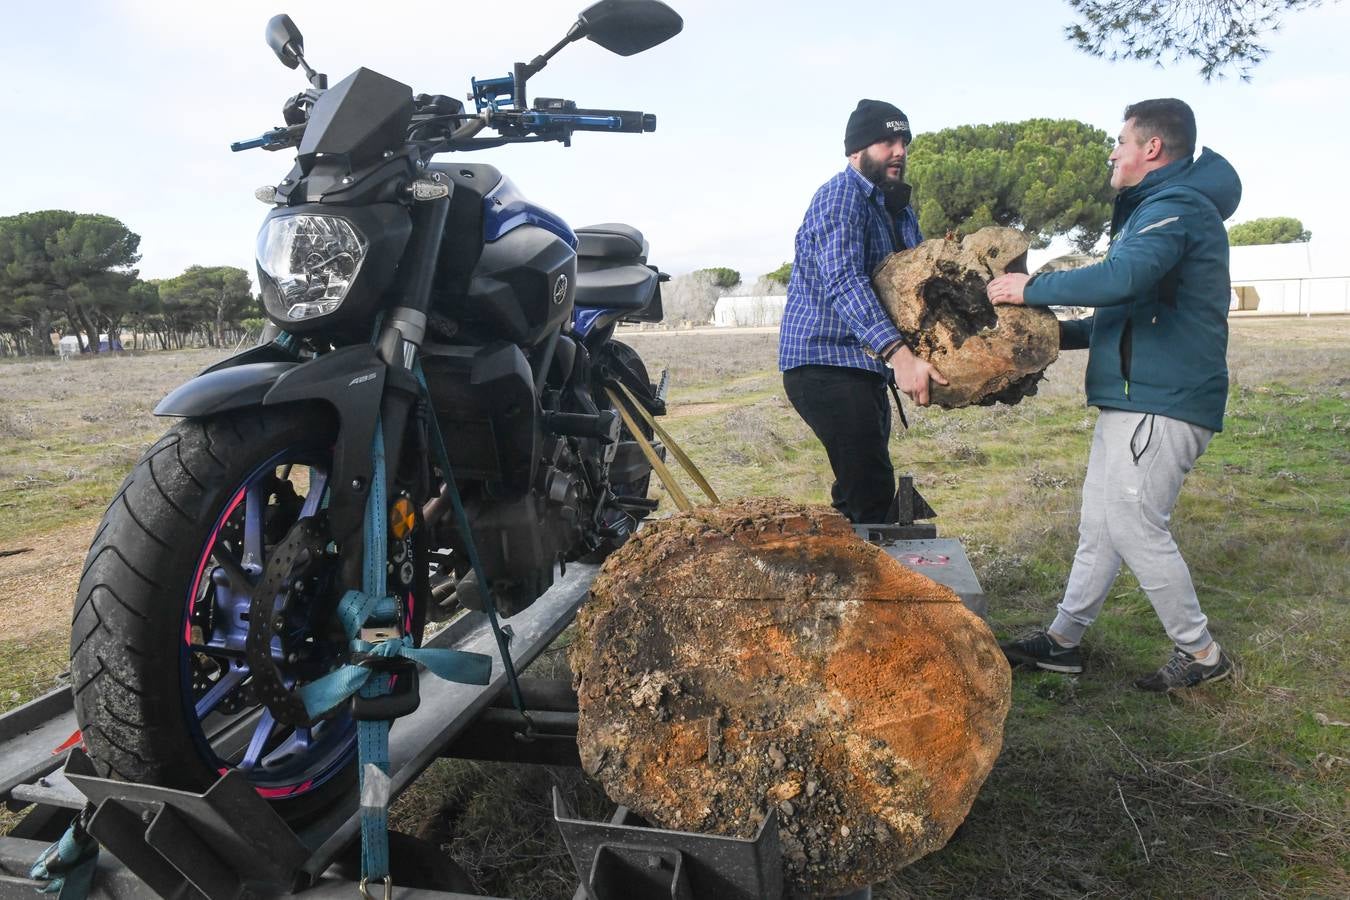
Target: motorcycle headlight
(311, 262)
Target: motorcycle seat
(622, 286)
(611, 240)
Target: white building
(748, 312)
(1289, 279)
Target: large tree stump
(756, 655)
(935, 292)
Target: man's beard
(876, 172)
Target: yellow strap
(685, 461)
(662, 472)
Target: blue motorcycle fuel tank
(507, 267)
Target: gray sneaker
(1183, 671)
(1044, 652)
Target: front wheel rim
(229, 728)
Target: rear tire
(633, 369)
(156, 589)
(630, 359)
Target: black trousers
(850, 413)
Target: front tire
(161, 682)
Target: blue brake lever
(277, 138)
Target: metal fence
(1313, 295)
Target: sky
(128, 107)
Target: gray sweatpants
(1135, 471)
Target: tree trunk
(41, 344)
(80, 321)
(935, 293)
(759, 656)
(111, 326)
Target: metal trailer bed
(228, 844)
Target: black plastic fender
(350, 380)
(251, 375)
(220, 390)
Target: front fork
(397, 345)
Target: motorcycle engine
(521, 540)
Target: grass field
(1235, 789)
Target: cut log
(759, 655)
(935, 293)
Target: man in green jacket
(1157, 347)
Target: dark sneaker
(1183, 671)
(1043, 652)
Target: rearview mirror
(626, 27)
(285, 40)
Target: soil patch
(37, 586)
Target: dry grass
(69, 432)
(1101, 790)
(1239, 789)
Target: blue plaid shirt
(832, 315)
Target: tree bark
(80, 322)
(220, 318)
(42, 334)
(759, 656)
(935, 294)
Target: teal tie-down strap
(502, 636)
(453, 665)
(357, 610)
(372, 747)
(68, 866)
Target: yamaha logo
(560, 290)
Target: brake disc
(290, 561)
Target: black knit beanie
(872, 121)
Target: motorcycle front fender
(351, 381)
(239, 381)
(220, 390)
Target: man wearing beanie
(1157, 369)
(838, 349)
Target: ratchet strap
(382, 676)
(503, 635)
(68, 866)
(657, 464)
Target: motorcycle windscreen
(358, 118)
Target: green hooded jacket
(1158, 340)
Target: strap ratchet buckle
(388, 888)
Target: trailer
(229, 844)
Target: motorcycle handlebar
(550, 123)
(629, 121)
(569, 118)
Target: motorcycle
(442, 351)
